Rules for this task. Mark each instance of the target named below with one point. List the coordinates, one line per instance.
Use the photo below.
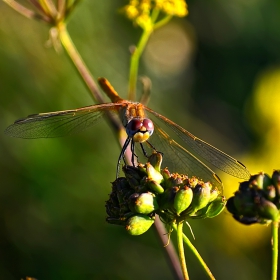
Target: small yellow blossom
(139, 11)
(172, 7)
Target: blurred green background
(216, 73)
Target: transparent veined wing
(208, 152)
(180, 160)
(60, 123)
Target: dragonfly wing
(213, 155)
(60, 123)
(180, 160)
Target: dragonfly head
(140, 130)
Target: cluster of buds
(257, 200)
(147, 190)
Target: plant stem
(26, 12)
(274, 228)
(162, 22)
(195, 252)
(134, 62)
(87, 78)
(181, 250)
(78, 62)
(170, 250)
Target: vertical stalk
(274, 233)
(78, 62)
(195, 252)
(181, 250)
(134, 62)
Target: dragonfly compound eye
(140, 130)
(148, 124)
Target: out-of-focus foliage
(215, 72)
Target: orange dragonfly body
(139, 129)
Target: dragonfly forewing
(60, 123)
(180, 160)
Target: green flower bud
(266, 209)
(165, 173)
(156, 160)
(153, 174)
(216, 207)
(213, 195)
(263, 181)
(143, 203)
(166, 199)
(183, 199)
(153, 186)
(270, 192)
(201, 196)
(138, 224)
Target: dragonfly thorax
(140, 130)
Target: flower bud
(216, 207)
(201, 196)
(183, 199)
(153, 186)
(156, 160)
(244, 186)
(266, 209)
(263, 180)
(143, 203)
(276, 181)
(246, 220)
(153, 174)
(165, 173)
(193, 181)
(270, 192)
(213, 195)
(166, 199)
(138, 224)
(244, 203)
(133, 176)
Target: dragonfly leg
(133, 154)
(121, 156)
(151, 146)
(143, 150)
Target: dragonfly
(143, 125)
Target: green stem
(181, 250)
(195, 252)
(134, 62)
(275, 226)
(162, 22)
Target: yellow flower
(139, 10)
(172, 7)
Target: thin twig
(26, 12)
(170, 251)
